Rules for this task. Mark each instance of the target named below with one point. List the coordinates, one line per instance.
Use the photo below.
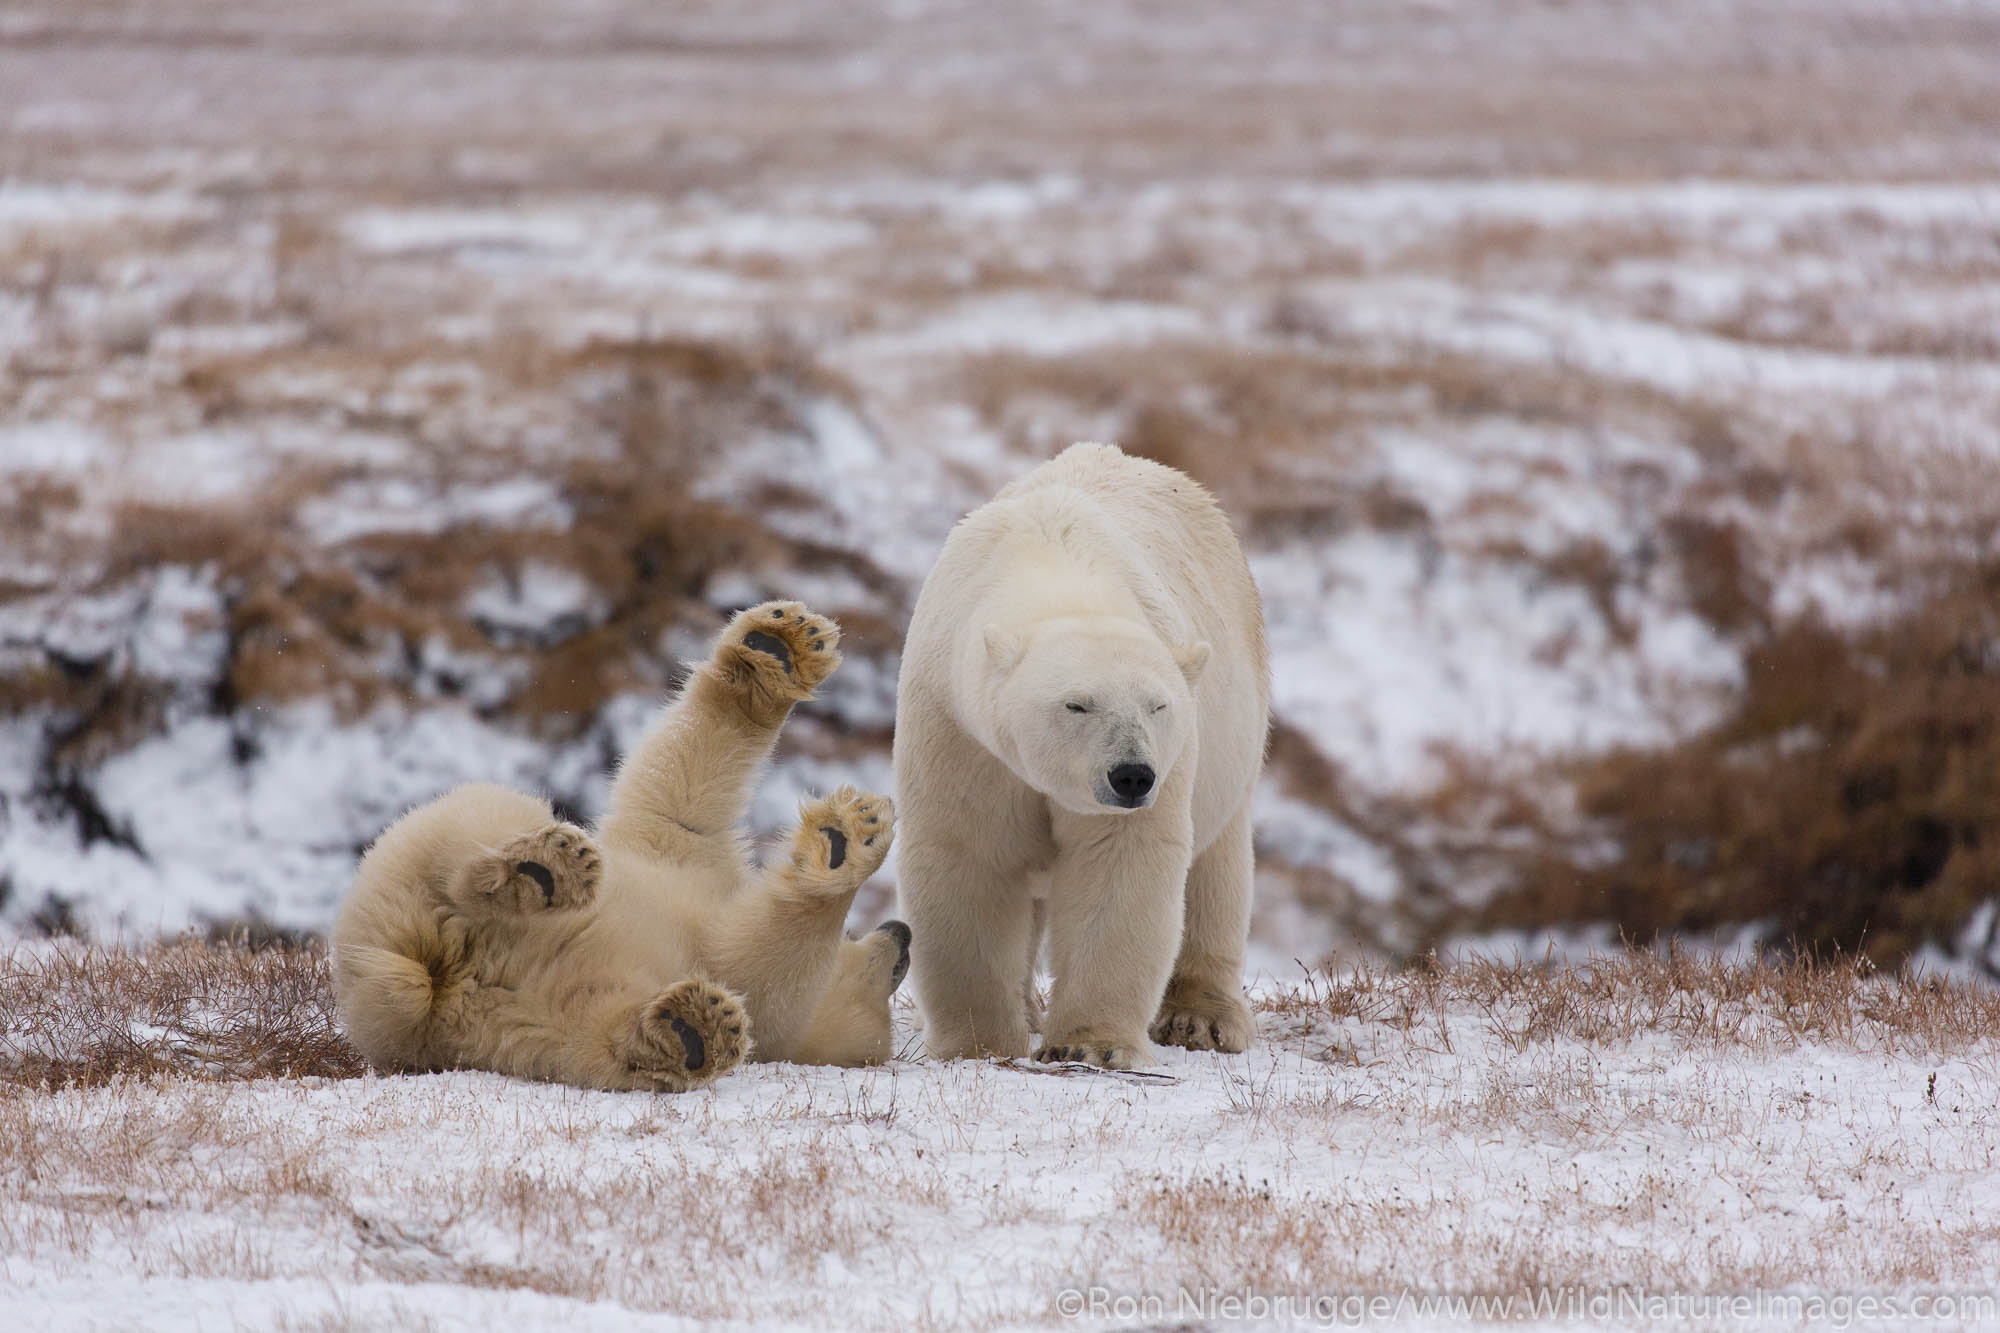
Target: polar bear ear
(1003, 648)
(1191, 658)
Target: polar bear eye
(1157, 708)
(1077, 707)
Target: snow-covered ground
(1616, 1142)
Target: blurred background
(393, 394)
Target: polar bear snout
(1131, 785)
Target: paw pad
(799, 642)
(844, 837)
(691, 1042)
(767, 643)
(539, 873)
(900, 933)
(688, 1035)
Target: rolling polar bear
(1080, 724)
(481, 931)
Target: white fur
(651, 954)
(1097, 613)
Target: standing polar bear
(481, 931)
(1082, 715)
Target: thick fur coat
(1080, 725)
(483, 932)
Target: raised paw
(1104, 1052)
(689, 1034)
(1203, 1017)
(776, 655)
(551, 869)
(843, 839)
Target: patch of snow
(394, 504)
(1038, 324)
(1386, 649)
(1308, 835)
(390, 231)
(1840, 589)
(751, 234)
(53, 447)
(26, 204)
(539, 602)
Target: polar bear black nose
(1130, 783)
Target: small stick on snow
(1071, 1068)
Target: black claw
(838, 841)
(758, 641)
(778, 614)
(539, 873)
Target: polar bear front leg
(970, 918)
(1204, 1008)
(779, 942)
(688, 779)
(1114, 924)
(547, 869)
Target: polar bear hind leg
(852, 1026)
(682, 1037)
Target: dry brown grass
(223, 1008)
(74, 1014)
(1694, 999)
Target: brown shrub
(353, 620)
(1238, 420)
(1848, 801)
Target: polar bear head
(1094, 714)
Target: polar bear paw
(892, 950)
(842, 840)
(1203, 1017)
(689, 1034)
(552, 869)
(776, 655)
(1106, 1052)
